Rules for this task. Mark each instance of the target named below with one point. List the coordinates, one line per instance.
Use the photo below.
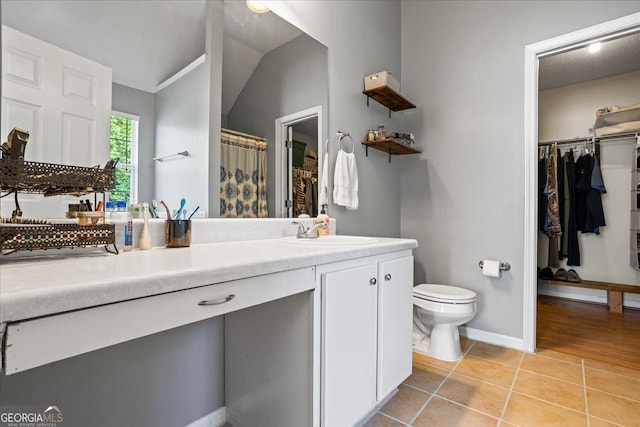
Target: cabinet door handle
(373, 281)
(217, 301)
(387, 277)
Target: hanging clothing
(572, 249)
(561, 210)
(595, 213)
(553, 209)
(542, 196)
(589, 209)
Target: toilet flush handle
(387, 277)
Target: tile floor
(494, 386)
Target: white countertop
(52, 284)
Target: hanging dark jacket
(573, 250)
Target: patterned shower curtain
(243, 176)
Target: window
(124, 146)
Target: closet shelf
(389, 98)
(390, 147)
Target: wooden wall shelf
(390, 147)
(389, 98)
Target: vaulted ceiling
(147, 41)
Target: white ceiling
(144, 42)
(617, 56)
(147, 41)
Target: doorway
(298, 151)
(533, 53)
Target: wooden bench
(614, 290)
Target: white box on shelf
(383, 78)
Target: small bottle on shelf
(381, 132)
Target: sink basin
(333, 240)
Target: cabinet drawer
(37, 342)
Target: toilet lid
(441, 293)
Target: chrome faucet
(310, 232)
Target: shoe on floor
(572, 276)
(546, 274)
(561, 275)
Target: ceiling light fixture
(257, 7)
(594, 47)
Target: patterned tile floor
(494, 386)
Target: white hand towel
(345, 181)
(323, 198)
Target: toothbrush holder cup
(177, 233)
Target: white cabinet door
(349, 344)
(395, 312)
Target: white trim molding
(281, 134)
(186, 70)
(492, 338)
(533, 52)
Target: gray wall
(291, 78)
(463, 65)
(182, 123)
(168, 379)
(363, 38)
(140, 103)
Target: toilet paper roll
(491, 268)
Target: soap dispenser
(323, 218)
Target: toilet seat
(444, 294)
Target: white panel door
(395, 314)
(349, 342)
(63, 100)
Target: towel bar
(182, 153)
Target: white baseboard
(492, 338)
(216, 418)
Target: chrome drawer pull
(217, 301)
(387, 277)
(373, 281)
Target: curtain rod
(246, 135)
(592, 139)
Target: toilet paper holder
(504, 266)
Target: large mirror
(274, 87)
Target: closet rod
(591, 139)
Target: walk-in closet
(588, 238)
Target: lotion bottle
(323, 217)
(145, 237)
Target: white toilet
(438, 310)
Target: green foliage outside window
(121, 138)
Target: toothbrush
(193, 213)
(182, 203)
(166, 209)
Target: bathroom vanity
(316, 333)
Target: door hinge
(288, 204)
(288, 143)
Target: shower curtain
(243, 176)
